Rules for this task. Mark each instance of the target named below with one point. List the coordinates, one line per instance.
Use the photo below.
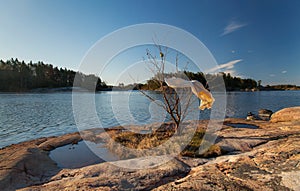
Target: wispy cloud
(272, 75)
(226, 68)
(232, 26)
(284, 71)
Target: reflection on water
(79, 155)
(29, 116)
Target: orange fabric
(206, 100)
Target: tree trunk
(179, 129)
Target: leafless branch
(175, 102)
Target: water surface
(29, 116)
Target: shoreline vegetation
(18, 77)
(138, 142)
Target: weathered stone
(23, 165)
(291, 114)
(247, 171)
(107, 176)
(28, 163)
(265, 111)
(265, 114)
(51, 144)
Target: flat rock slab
(274, 166)
(107, 176)
(28, 163)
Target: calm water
(28, 116)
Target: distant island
(18, 76)
(280, 87)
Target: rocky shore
(262, 158)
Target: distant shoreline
(78, 89)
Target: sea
(27, 116)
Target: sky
(256, 39)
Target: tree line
(231, 83)
(17, 76)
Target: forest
(18, 76)
(231, 83)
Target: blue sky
(256, 39)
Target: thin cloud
(232, 26)
(272, 75)
(284, 71)
(225, 67)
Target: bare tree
(176, 102)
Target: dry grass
(138, 145)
